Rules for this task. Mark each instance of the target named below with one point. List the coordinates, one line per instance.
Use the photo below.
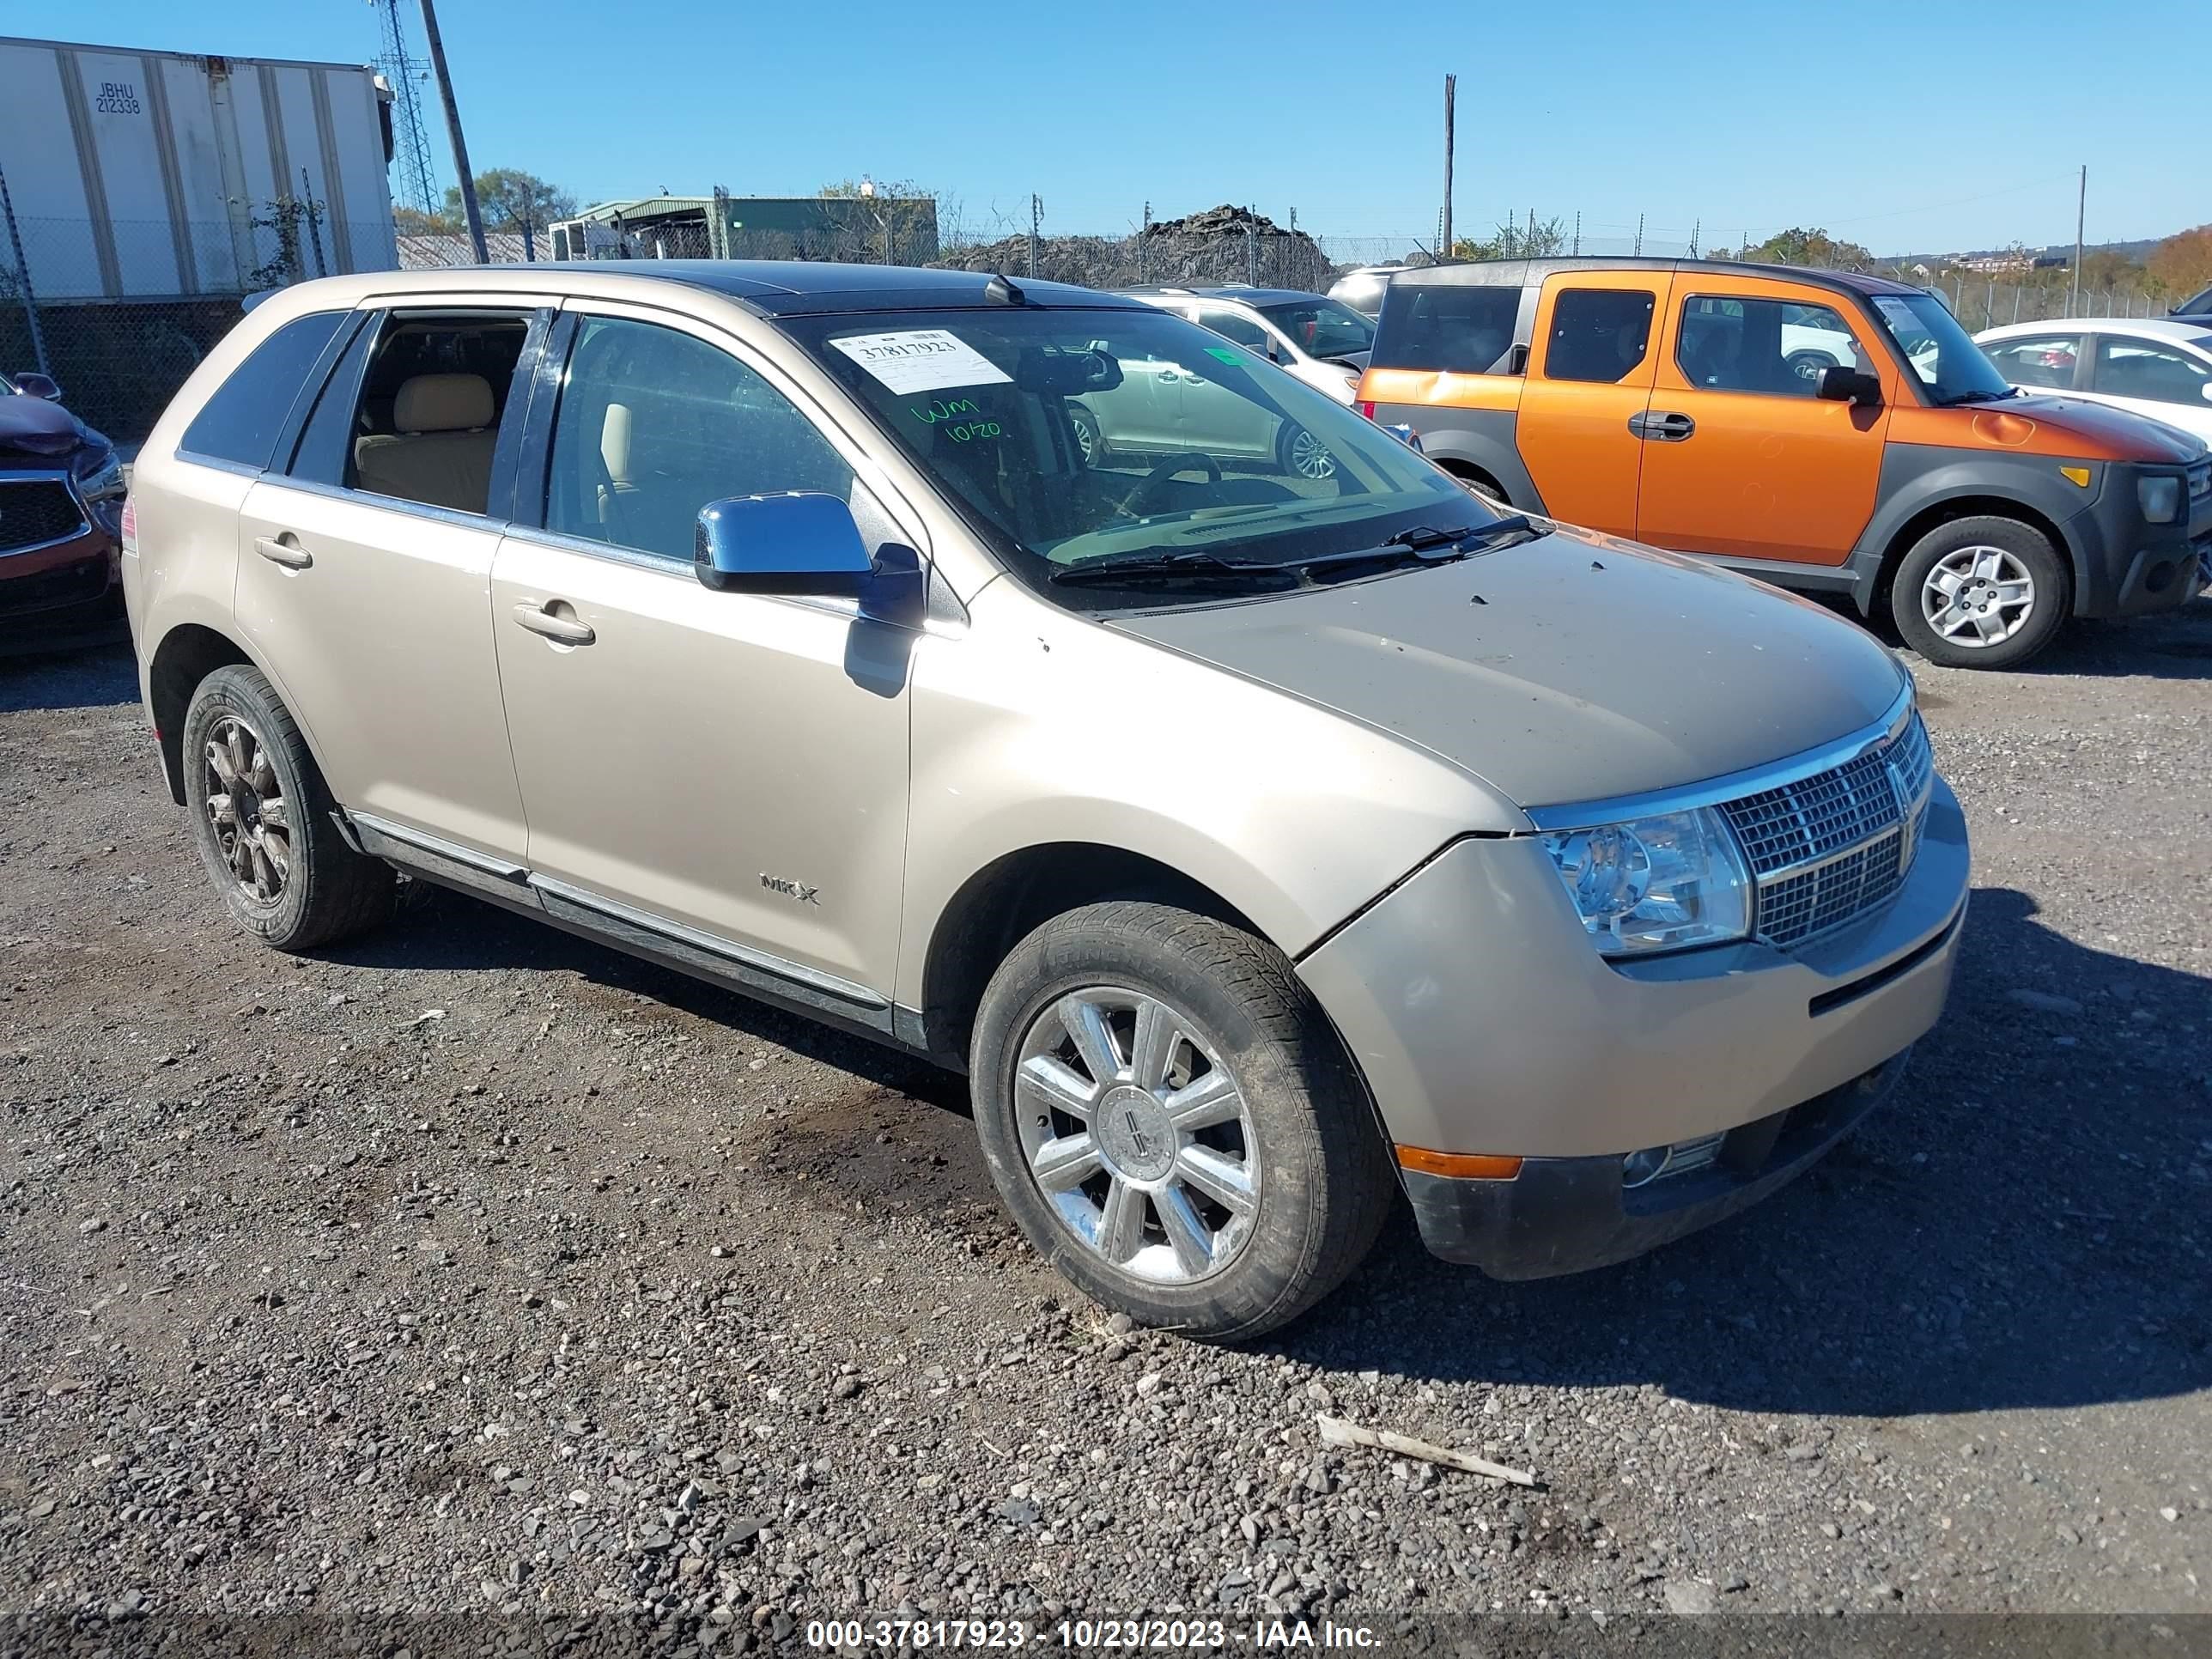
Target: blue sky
(1902, 126)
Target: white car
(1323, 341)
(2154, 366)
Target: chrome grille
(2200, 481)
(1827, 848)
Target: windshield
(1947, 361)
(1322, 328)
(1080, 436)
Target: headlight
(2160, 499)
(104, 482)
(1656, 884)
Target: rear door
(372, 608)
(1588, 385)
(1742, 458)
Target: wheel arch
(189, 652)
(1003, 902)
(1874, 596)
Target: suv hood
(1572, 668)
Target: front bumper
(1562, 1215)
(1485, 1023)
(60, 596)
(2129, 567)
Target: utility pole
(1578, 233)
(469, 208)
(1451, 86)
(1639, 236)
(1037, 228)
(2080, 216)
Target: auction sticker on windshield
(921, 359)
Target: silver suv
(1268, 850)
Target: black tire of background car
(2054, 591)
(331, 892)
(1329, 1183)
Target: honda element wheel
(1172, 1120)
(1981, 593)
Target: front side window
(2136, 368)
(2047, 360)
(1457, 328)
(1774, 348)
(240, 423)
(1942, 354)
(654, 423)
(1598, 334)
(1090, 436)
(1322, 328)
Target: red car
(61, 513)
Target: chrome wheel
(1978, 596)
(247, 809)
(1137, 1134)
(1087, 445)
(1310, 457)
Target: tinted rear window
(240, 421)
(1461, 328)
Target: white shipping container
(140, 175)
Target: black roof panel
(791, 288)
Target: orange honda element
(1817, 429)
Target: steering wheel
(1179, 462)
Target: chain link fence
(119, 315)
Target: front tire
(257, 810)
(1981, 593)
(1172, 1120)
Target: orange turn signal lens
(2075, 475)
(1461, 1166)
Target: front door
(1588, 385)
(1741, 458)
(2150, 377)
(363, 565)
(732, 763)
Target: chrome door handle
(565, 630)
(277, 551)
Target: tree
(413, 221)
(1815, 247)
(512, 201)
(901, 220)
(2182, 264)
(1539, 241)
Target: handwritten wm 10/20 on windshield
(921, 359)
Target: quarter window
(240, 423)
(1456, 328)
(1775, 347)
(2047, 360)
(655, 423)
(1599, 334)
(2136, 368)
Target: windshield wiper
(1422, 544)
(1195, 564)
(1977, 396)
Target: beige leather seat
(441, 453)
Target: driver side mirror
(806, 543)
(1843, 385)
(32, 384)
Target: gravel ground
(473, 1267)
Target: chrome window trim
(67, 480)
(1714, 792)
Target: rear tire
(1302, 455)
(261, 815)
(1981, 593)
(1228, 1174)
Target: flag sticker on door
(921, 359)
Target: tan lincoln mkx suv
(1262, 845)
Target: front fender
(1916, 478)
